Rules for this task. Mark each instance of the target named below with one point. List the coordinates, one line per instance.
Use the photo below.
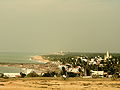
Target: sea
(15, 57)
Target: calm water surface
(8, 57)
(16, 57)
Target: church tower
(107, 56)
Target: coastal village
(77, 66)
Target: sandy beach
(50, 83)
(40, 59)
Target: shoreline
(41, 67)
(39, 59)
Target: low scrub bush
(33, 74)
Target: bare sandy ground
(40, 59)
(58, 84)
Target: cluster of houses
(97, 60)
(78, 71)
(81, 70)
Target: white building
(12, 74)
(99, 73)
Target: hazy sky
(54, 25)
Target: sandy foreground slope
(58, 84)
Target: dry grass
(51, 83)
